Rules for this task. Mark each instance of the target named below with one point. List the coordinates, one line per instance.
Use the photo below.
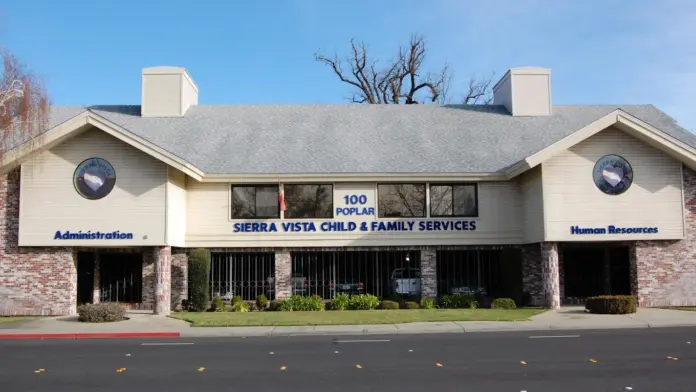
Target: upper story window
(308, 201)
(453, 200)
(255, 202)
(401, 200)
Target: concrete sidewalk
(143, 324)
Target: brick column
(179, 277)
(428, 266)
(96, 290)
(163, 280)
(283, 274)
(531, 273)
(550, 275)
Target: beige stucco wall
(654, 200)
(50, 203)
(533, 205)
(209, 223)
(176, 208)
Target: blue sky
(261, 52)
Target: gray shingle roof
(353, 138)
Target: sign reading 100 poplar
(356, 206)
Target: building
(546, 204)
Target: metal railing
(469, 272)
(120, 277)
(327, 273)
(244, 274)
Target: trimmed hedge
(503, 303)
(612, 304)
(101, 313)
(459, 301)
(389, 305)
(411, 305)
(198, 279)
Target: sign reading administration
(92, 235)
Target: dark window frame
(453, 184)
(425, 200)
(232, 186)
(331, 184)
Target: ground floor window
(120, 277)
(381, 273)
(590, 270)
(486, 273)
(244, 274)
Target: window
(255, 202)
(453, 200)
(401, 200)
(308, 201)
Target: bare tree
(24, 103)
(402, 80)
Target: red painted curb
(104, 335)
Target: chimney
(525, 91)
(167, 92)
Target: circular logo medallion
(612, 174)
(94, 178)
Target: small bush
(101, 313)
(240, 307)
(363, 302)
(306, 304)
(261, 302)
(411, 305)
(503, 303)
(389, 305)
(199, 279)
(459, 301)
(218, 305)
(251, 305)
(427, 303)
(274, 305)
(612, 304)
(236, 299)
(285, 306)
(340, 302)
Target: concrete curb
(96, 335)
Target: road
(616, 360)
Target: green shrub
(340, 302)
(459, 301)
(240, 307)
(274, 305)
(285, 305)
(612, 304)
(389, 305)
(218, 305)
(251, 305)
(411, 305)
(199, 279)
(363, 302)
(261, 302)
(427, 303)
(236, 299)
(503, 303)
(306, 304)
(101, 312)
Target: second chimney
(167, 92)
(525, 91)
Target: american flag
(281, 199)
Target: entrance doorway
(85, 277)
(120, 277)
(590, 270)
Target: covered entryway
(121, 277)
(594, 269)
(85, 277)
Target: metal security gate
(120, 277)
(327, 273)
(245, 274)
(474, 272)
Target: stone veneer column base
(283, 274)
(550, 278)
(179, 277)
(531, 273)
(428, 265)
(163, 281)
